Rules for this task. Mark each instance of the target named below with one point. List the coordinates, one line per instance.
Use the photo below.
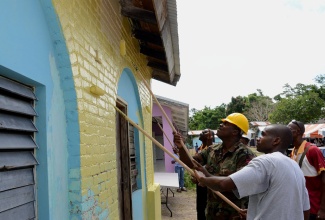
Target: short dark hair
(283, 132)
(208, 130)
(300, 125)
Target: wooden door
(123, 163)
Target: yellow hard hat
(239, 120)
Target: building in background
(178, 114)
(195, 135)
(314, 131)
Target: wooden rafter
(147, 36)
(160, 55)
(130, 11)
(160, 66)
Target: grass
(187, 181)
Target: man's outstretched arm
(183, 156)
(217, 183)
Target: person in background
(274, 183)
(179, 169)
(311, 161)
(207, 139)
(245, 140)
(196, 147)
(222, 159)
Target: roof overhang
(154, 25)
(179, 112)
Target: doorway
(123, 163)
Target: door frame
(123, 162)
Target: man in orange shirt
(312, 164)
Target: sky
(231, 48)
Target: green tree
(302, 102)
(207, 117)
(307, 108)
(277, 97)
(237, 104)
(320, 80)
(300, 89)
(254, 96)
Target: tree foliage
(258, 107)
(300, 89)
(305, 103)
(237, 104)
(302, 102)
(320, 79)
(306, 108)
(207, 117)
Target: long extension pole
(162, 130)
(164, 113)
(188, 169)
(175, 158)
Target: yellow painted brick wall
(93, 30)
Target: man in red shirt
(312, 164)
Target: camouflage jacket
(220, 164)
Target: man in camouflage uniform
(223, 159)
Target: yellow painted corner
(154, 202)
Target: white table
(168, 180)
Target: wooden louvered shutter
(17, 145)
(133, 163)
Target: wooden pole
(175, 158)
(154, 141)
(164, 113)
(171, 144)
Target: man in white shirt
(274, 183)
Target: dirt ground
(182, 205)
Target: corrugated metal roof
(198, 132)
(172, 16)
(179, 111)
(312, 130)
(260, 123)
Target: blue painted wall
(29, 53)
(128, 91)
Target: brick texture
(93, 30)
